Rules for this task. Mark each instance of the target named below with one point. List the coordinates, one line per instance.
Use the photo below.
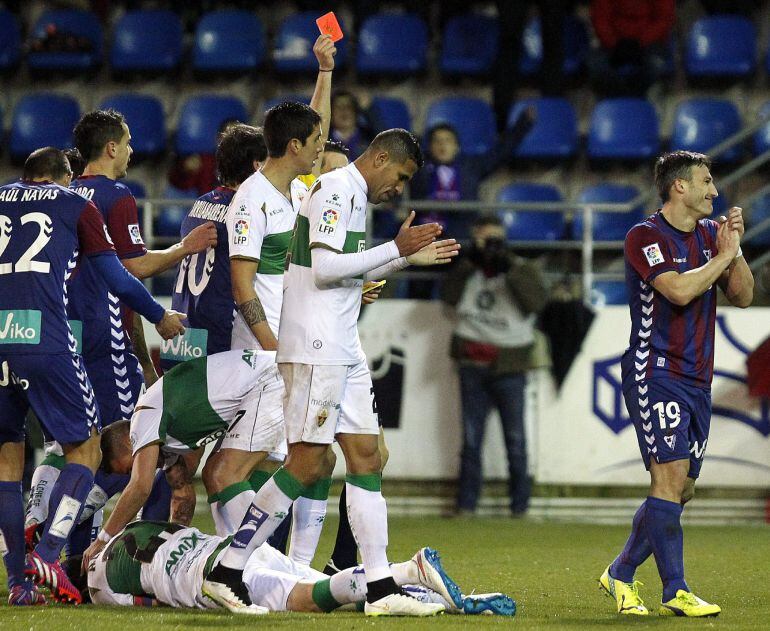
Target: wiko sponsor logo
(7, 377)
(191, 345)
(20, 326)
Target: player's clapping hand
(734, 220)
(171, 324)
(324, 50)
(728, 239)
(411, 239)
(200, 238)
(436, 253)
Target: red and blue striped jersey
(667, 340)
(105, 320)
(43, 229)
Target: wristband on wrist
(325, 70)
(104, 536)
(740, 253)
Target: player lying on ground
(216, 398)
(151, 563)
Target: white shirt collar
(358, 178)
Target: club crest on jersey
(241, 235)
(321, 417)
(670, 441)
(707, 254)
(329, 219)
(653, 254)
(133, 232)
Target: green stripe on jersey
(300, 243)
(354, 242)
(187, 413)
(273, 254)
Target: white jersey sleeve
(246, 224)
(329, 211)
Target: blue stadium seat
(293, 52)
(608, 226)
(10, 40)
(554, 135)
(147, 41)
(623, 129)
(145, 119)
(469, 45)
(200, 119)
(41, 120)
(392, 44)
(575, 47)
(609, 292)
(229, 41)
(472, 118)
(762, 137)
(139, 192)
(760, 211)
(700, 124)
(720, 46)
(168, 220)
(386, 112)
(82, 24)
(531, 225)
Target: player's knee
(301, 599)
(330, 461)
(215, 475)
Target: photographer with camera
(496, 297)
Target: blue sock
(636, 551)
(664, 532)
(80, 538)
(12, 527)
(158, 504)
(280, 538)
(66, 503)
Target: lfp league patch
(653, 254)
(329, 219)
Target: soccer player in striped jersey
(675, 260)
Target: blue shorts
(57, 389)
(672, 421)
(117, 380)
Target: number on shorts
(668, 412)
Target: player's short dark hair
(238, 147)
(442, 127)
(113, 443)
(674, 166)
(401, 145)
(95, 129)
(333, 146)
(48, 162)
(486, 220)
(77, 164)
(286, 121)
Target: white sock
(307, 521)
(348, 586)
(263, 516)
(368, 515)
(95, 502)
(221, 525)
(43, 479)
(232, 505)
(405, 573)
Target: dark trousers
(480, 390)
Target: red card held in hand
(328, 24)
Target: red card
(328, 24)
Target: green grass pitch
(550, 569)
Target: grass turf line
(550, 569)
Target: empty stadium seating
(147, 41)
(760, 211)
(472, 119)
(392, 45)
(10, 41)
(293, 51)
(200, 119)
(575, 46)
(387, 112)
(145, 119)
(701, 124)
(82, 24)
(531, 225)
(554, 134)
(229, 41)
(469, 45)
(721, 45)
(607, 226)
(609, 292)
(40, 120)
(625, 129)
(761, 140)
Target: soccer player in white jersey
(153, 562)
(329, 387)
(259, 225)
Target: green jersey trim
(299, 251)
(273, 253)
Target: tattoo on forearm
(182, 510)
(252, 311)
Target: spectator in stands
(513, 19)
(495, 296)
(197, 173)
(348, 124)
(634, 39)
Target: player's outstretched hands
(200, 238)
(436, 253)
(735, 220)
(324, 50)
(728, 239)
(411, 239)
(171, 324)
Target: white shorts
(261, 426)
(270, 576)
(322, 401)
